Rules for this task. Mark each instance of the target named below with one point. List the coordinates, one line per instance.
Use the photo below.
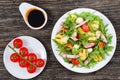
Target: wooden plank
(12, 25)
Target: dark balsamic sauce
(35, 18)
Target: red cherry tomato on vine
(17, 43)
(23, 51)
(40, 63)
(23, 63)
(31, 68)
(32, 57)
(14, 57)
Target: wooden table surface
(12, 25)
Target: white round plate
(33, 45)
(98, 65)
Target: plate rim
(70, 11)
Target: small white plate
(33, 45)
(98, 65)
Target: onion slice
(81, 24)
(69, 56)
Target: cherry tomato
(75, 62)
(78, 36)
(102, 44)
(14, 57)
(23, 63)
(64, 29)
(17, 43)
(40, 63)
(23, 51)
(85, 27)
(32, 57)
(31, 68)
(69, 45)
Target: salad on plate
(83, 40)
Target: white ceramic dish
(24, 7)
(100, 64)
(33, 45)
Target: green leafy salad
(83, 40)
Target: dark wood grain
(12, 25)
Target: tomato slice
(23, 51)
(102, 44)
(32, 57)
(14, 57)
(31, 68)
(23, 63)
(85, 27)
(40, 63)
(17, 43)
(75, 62)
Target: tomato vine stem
(21, 56)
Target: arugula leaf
(75, 51)
(61, 47)
(108, 48)
(109, 38)
(70, 21)
(81, 62)
(68, 32)
(65, 60)
(102, 52)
